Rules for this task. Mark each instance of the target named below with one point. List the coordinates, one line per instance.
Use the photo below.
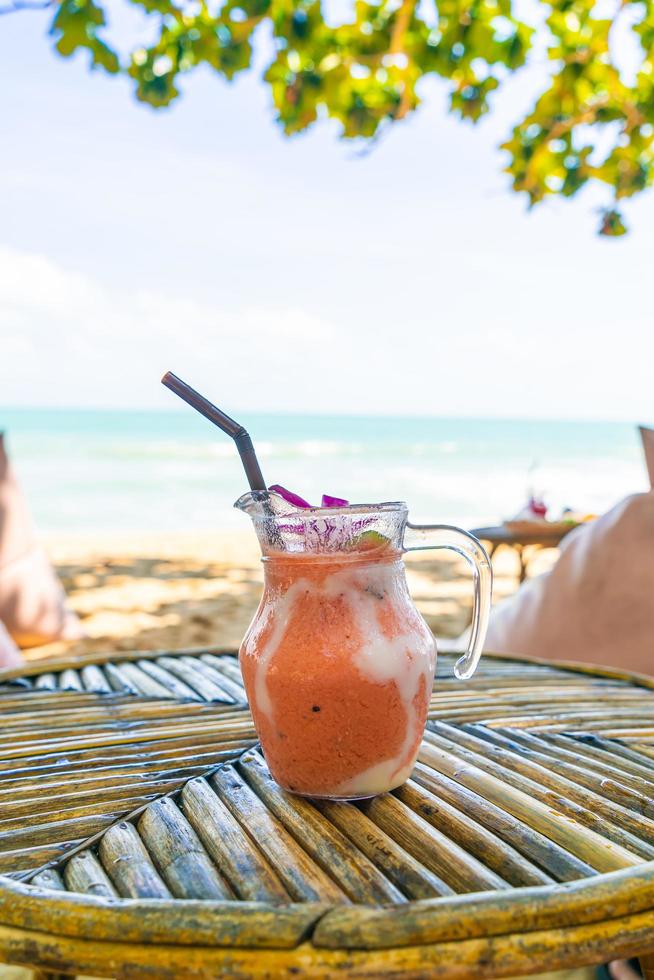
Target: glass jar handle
(420, 537)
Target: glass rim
(300, 513)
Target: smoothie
(338, 666)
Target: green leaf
(365, 70)
(75, 25)
(612, 225)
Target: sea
(156, 471)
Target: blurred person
(33, 606)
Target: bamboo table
(540, 536)
(142, 836)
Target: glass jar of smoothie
(338, 664)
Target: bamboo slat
(72, 762)
(234, 690)
(588, 845)
(126, 861)
(47, 682)
(603, 753)
(541, 787)
(149, 836)
(141, 682)
(578, 785)
(184, 668)
(301, 876)
(406, 872)
(632, 794)
(229, 846)
(226, 665)
(176, 687)
(479, 842)
(93, 679)
(554, 748)
(359, 878)
(84, 873)
(70, 680)
(50, 879)
(118, 680)
(197, 677)
(560, 863)
(178, 853)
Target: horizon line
(285, 413)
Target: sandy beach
(136, 592)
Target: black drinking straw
(224, 422)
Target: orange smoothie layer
(338, 666)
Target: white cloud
(33, 284)
(67, 339)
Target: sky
(297, 275)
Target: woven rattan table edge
(469, 959)
(55, 664)
(622, 893)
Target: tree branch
(400, 28)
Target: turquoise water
(156, 471)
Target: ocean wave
(162, 472)
(268, 449)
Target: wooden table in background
(131, 787)
(540, 537)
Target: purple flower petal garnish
(328, 501)
(289, 496)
